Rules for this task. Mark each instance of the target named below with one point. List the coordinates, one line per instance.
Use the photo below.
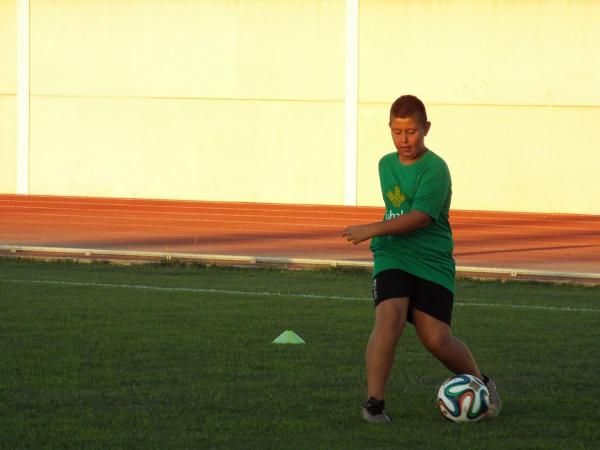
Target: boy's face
(408, 135)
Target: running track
(488, 244)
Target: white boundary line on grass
(275, 294)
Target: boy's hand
(357, 233)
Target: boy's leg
(390, 320)
(437, 337)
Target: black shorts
(427, 296)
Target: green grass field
(103, 356)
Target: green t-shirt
(423, 186)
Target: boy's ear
(426, 128)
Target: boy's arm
(398, 225)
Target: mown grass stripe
(277, 294)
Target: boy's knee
(390, 316)
(436, 343)
(390, 325)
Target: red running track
(513, 242)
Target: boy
(413, 275)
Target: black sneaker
(373, 411)
(495, 401)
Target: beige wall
(512, 91)
(194, 100)
(244, 100)
(209, 150)
(8, 90)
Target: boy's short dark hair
(409, 106)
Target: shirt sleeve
(434, 190)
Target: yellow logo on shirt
(396, 197)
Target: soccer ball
(463, 398)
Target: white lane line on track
(227, 212)
(186, 223)
(179, 209)
(276, 294)
(339, 220)
(163, 222)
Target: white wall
(512, 90)
(244, 101)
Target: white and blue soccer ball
(463, 398)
